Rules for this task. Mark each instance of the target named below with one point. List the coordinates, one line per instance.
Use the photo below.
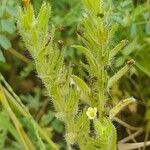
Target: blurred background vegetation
(133, 23)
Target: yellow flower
(91, 112)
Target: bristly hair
(67, 90)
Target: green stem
(24, 138)
(17, 104)
(18, 55)
(101, 93)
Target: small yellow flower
(91, 112)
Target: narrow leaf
(82, 85)
(4, 42)
(2, 58)
(114, 111)
(89, 56)
(120, 73)
(115, 51)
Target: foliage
(64, 88)
(18, 113)
(8, 11)
(133, 18)
(74, 75)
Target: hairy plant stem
(101, 93)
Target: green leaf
(143, 68)
(120, 73)
(130, 48)
(106, 133)
(57, 125)
(117, 48)
(12, 10)
(5, 123)
(4, 42)
(137, 11)
(82, 85)
(43, 16)
(114, 111)
(2, 58)
(89, 56)
(47, 118)
(1, 11)
(8, 26)
(143, 60)
(119, 61)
